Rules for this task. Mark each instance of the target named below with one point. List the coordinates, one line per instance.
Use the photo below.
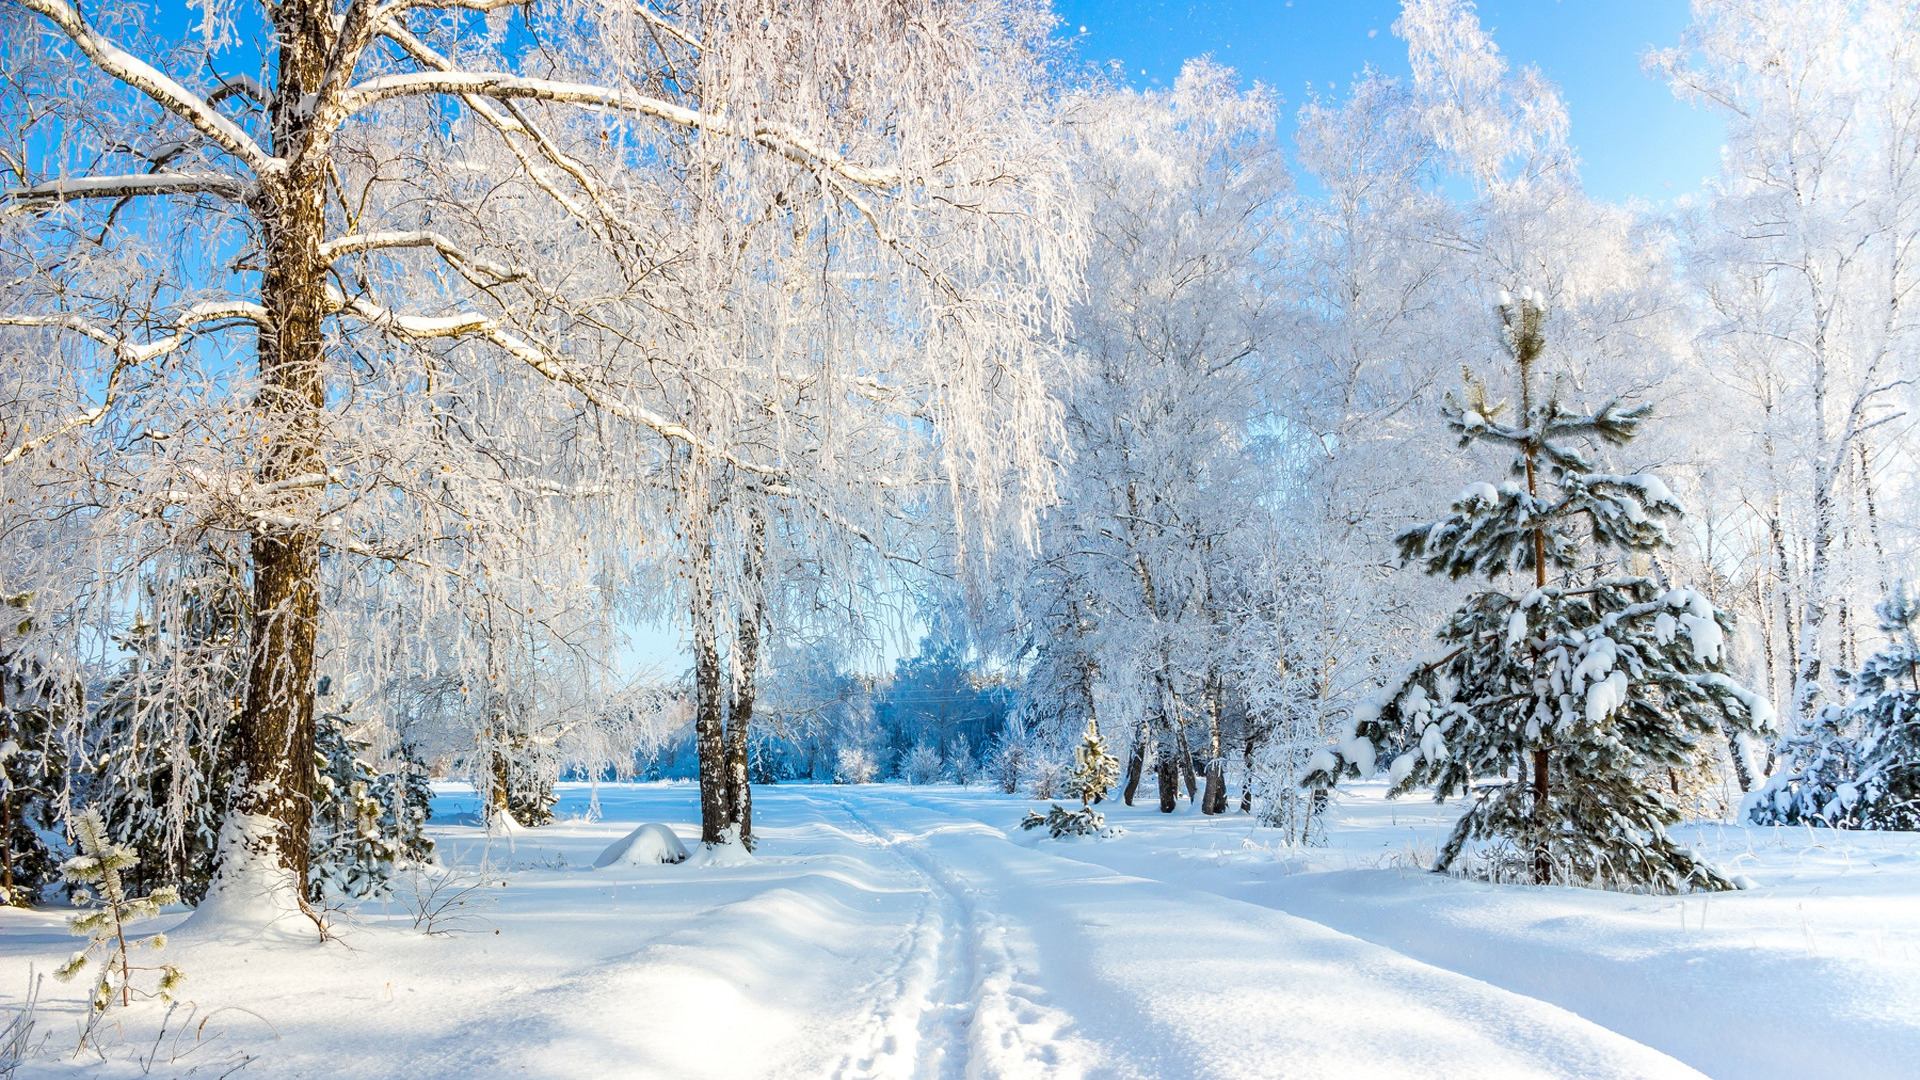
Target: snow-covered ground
(887, 931)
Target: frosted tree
(402, 302)
(1550, 709)
(1859, 766)
(1804, 260)
(1140, 568)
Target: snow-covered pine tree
(1095, 771)
(352, 854)
(1858, 767)
(33, 763)
(1551, 708)
(161, 744)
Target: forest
(374, 374)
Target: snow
(890, 931)
(649, 845)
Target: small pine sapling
(1858, 767)
(1094, 773)
(1556, 709)
(98, 869)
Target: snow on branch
(503, 87)
(156, 85)
(69, 189)
(553, 367)
(126, 354)
(456, 256)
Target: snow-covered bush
(1858, 767)
(1007, 760)
(853, 765)
(921, 765)
(1060, 822)
(1047, 773)
(962, 767)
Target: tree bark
(708, 737)
(276, 735)
(1136, 763)
(1215, 799)
(1167, 753)
(1187, 776)
(1542, 820)
(746, 662)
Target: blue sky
(1634, 138)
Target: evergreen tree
(33, 767)
(364, 822)
(1095, 771)
(1551, 709)
(1858, 767)
(163, 751)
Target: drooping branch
(504, 87)
(126, 354)
(157, 85)
(551, 366)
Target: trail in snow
(1167, 982)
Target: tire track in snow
(960, 1013)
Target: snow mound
(648, 845)
(728, 852)
(252, 896)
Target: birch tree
(339, 259)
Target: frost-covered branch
(126, 354)
(459, 258)
(75, 188)
(504, 87)
(161, 88)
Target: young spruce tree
(1858, 767)
(1554, 710)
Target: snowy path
(1123, 976)
(887, 932)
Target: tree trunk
(1215, 800)
(6, 792)
(1247, 748)
(746, 662)
(1186, 764)
(709, 743)
(1542, 820)
(276, 736)
(1136, 762)
(1167, 751)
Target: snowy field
(888, 931)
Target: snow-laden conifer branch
(161, 88)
